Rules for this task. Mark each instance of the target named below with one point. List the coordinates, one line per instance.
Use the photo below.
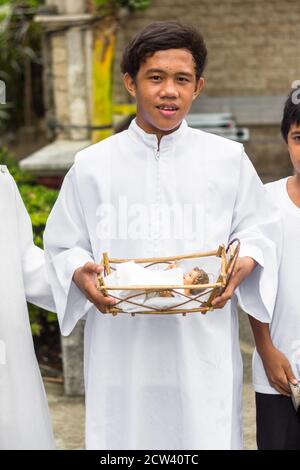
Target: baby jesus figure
(131, 273)
(193, 277)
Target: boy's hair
(291, 112)
(201, 278)
(161, 36)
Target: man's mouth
(167, 110)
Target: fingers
(93, 268)
(280, 383)
(103, 303)
(286, 378)
(100, 301)
(280, 389)
(220, 301)
(290, 376)
(85, 277)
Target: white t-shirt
(285, 325)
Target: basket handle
(234, 254)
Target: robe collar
(150, 140)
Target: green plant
(131, 5)
(20, 60)
(38, 201)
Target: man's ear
(129, 84)
(199, 87)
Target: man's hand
(278, 370)
(243, 268)
(85, 279)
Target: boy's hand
(243, 268)
(85, 279)
(278, 370)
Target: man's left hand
(243, 268)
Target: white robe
(161, 382)
(24, 416)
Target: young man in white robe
(276, 361)
(24, 417)
(159, 381)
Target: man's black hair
(161, 36)
(291, 112)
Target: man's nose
(169, 89)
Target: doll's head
(196, 276)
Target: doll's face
(191, 276)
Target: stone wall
(252, 44)
(268, 152)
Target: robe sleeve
(35, 279)
(256, 222)
(67, 247)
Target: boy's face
(164, 88)
(294, 146)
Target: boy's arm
(256, 222)
(70, 264)
(276, 364)
(36, 283)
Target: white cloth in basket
(130, 273)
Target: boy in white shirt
(154, 383)
(276, 361)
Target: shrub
(38, 200)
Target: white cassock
(161, 382)
(24, 416)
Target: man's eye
(297, 138)
(155, 78)
(183, 79)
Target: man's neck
(159, 133)
(296, 181)
(293, 189)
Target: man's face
(294, 146)
(164, 89)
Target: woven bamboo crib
(228, 257)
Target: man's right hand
(278, 370)
(85, 279)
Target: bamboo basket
(228, 257)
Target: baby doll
(193, 277)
